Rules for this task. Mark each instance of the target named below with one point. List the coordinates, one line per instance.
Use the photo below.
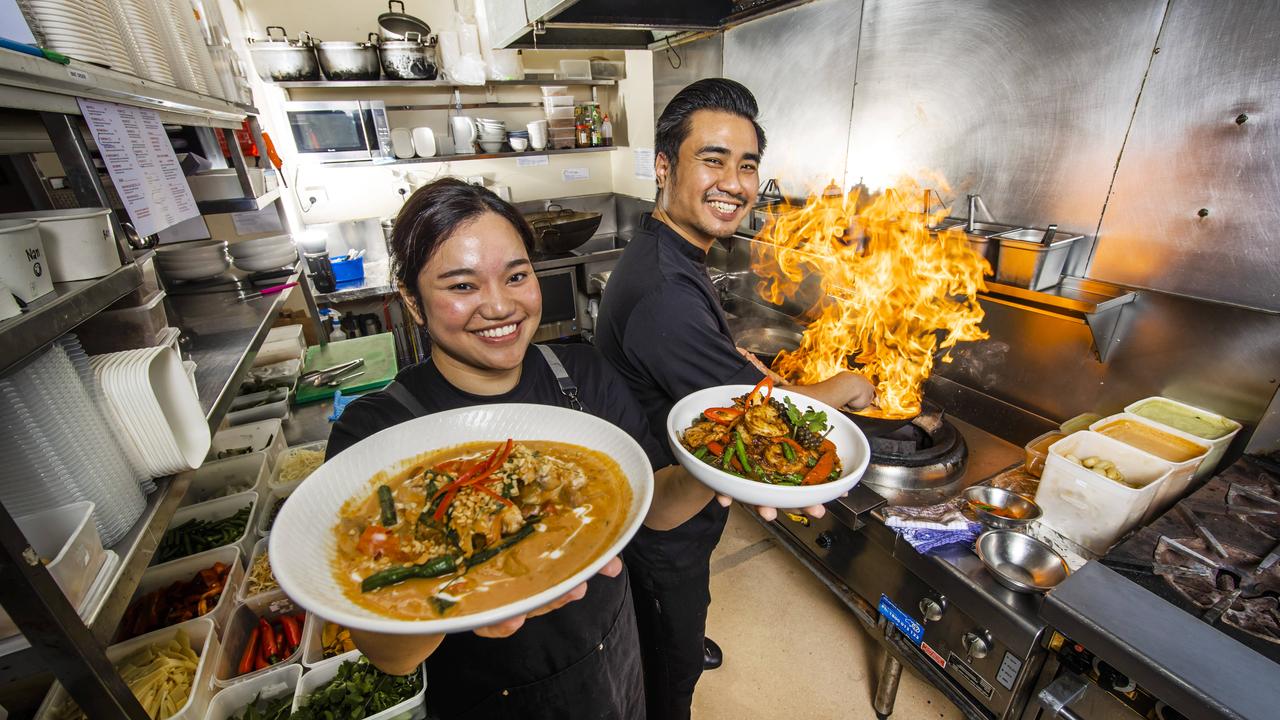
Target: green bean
(725, 459)
(742, 453)
(786, 450)
(387, 502)
(434, 567)
(486, 554)
(701, 452)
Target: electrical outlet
(315, 195)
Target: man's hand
(847, 391)
(402, 654)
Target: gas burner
(919, 463)
(1228, 583)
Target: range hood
(615, 24)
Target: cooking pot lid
(401, 23)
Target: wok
(559, 230)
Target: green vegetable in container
(356, 692)
(259, 709)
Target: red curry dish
(759, 438)
(476, 527)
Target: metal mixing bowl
(1021, 562)
(1022, 510)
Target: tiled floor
(791, 649)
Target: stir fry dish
(759, 438)
(477, 526)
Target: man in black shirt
(662, 327)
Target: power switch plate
(1008, 672)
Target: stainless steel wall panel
(1217, 61)
(676, 67)
(800, 64)
(1025, 103)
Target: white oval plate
(851, 446)
(303, 546)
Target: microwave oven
(327, 132)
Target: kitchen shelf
(230, 205)
(338, 84)
(32, 83)
(1099, 305)
(60, 311)
(476, 156)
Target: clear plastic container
(275, 494)
(67, 539)
(265, 435)
(1087, 507)
(560, 127)
(557, 101)
(556, 91)
(560, 113)
(221, 478)
(239, 628)
(1218, 445)
(414, 707)
(1180, 474)
(608, 69)
(162, 576)
(313, 643)
(1038, 449)
(280, 681)
(245, 592)
(204, 641)
(259, 406)
(284, 475)
(125, 328)
(218, 509)
(574, 70)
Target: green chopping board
(380, 367)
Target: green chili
(786, 450)
(434, 567)
(387, 502)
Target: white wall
(636, 118)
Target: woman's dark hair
(432, 214)
(720, 94)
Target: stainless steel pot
(397, 25)
(279, 59)
(345, 60)
(410, 59)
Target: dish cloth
(933, 526)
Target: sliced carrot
(716, 448)
(795, 445)
(819, 472)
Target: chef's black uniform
(662, 327)
(581, 661)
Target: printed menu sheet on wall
(143, 168)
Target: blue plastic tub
(345, 271)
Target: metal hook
(672, 51)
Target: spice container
(1207, 426)
(1038, 449)
(187, 570)
(313, 642)
(1026, 260)
(266, 436)
(248, 624)
(220, 478)
(189, 532)
(278, 683)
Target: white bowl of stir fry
(460, 519)
(767, 446)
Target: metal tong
(328, 375)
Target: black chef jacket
(529, 674)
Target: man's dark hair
(720, 94)
(432, 214)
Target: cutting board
(380, 367)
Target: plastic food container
(125, 328)
(574, 70)
(1217, 446)
(560, 113)
(259, 406)
(1038, 449)
(224, 184)
(550, 102)
(313, 644)
(608, 69)
(280, 374)
(264, 518)
(1180, 474)
(282, 463)
(68, 539)
(244, 592)
(345, 270)
(1087, 507)
(161, 576)
(22, 256)
(242, 473)
(204, 641)
(217, 510)
(243, 619)
(555, 91)
(266, 436)
(280, 681)
(414, 707)
(79, 243)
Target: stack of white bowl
(195, 260)
(151, 397)
(82, 29)
(264, 253)
(58, 446)
(175, 20)
(493, 134)
(140, 30)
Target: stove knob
(976, 644)
(931, 609)
(825, 539)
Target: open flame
(895, 293)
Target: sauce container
(1217, 445)
(1159, 443)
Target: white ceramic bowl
(519, 144)
(302, 544)
(491, 147)
(851, 446)
(256, 248)
(261, 263)
(207, 249)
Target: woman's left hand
(506, 628)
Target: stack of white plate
(151, 397)
(58, 446)
(265, 253)
(493, 134)
(136, 20)
(82, 30)
(195, 260)
(183, 59)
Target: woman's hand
(402, 654)
(769, 514)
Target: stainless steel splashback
(675, 67)
(804, 87)
(1205, 136)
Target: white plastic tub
(242, 473)
(280, 681)
(67, 538)
(413, 708)
(282, 462)
(313, 644)
(221, 508)
(1180, 473)
(1088, 508)
(264, 517)
(244, 593)
(264, 436)
(204, 641)
(78, 242)
(243, 619)
(185, 569)
(258, 406)
(1217, 446)
(23, 263)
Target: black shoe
(712, 657)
